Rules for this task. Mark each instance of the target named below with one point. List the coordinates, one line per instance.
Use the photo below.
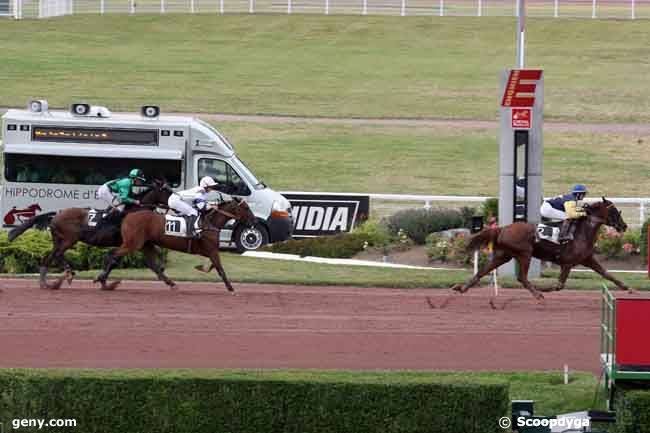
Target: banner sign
(327, 214)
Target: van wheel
(251, 238)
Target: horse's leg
(110, 262)
(153, 257)
(216, 263)
(499, 258)
(565, 270)
(592, 263)
(522, 277)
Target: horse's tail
(482, 238)
(40, 222)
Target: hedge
(418, 223)
(210, 401)
(633, 411)
(24, 254)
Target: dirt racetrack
(144, 324)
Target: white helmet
(207, 181)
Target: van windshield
(249, 174)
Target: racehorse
(69, 226)
(141, 230)
(519, 241)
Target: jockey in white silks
(198, 195)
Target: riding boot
(192, 225)
(566, 234)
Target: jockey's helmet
(206, 182)
(136, 173)
(579, 189)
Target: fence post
(132, 6)
(327, 7)
(40, 9)
(403, 10)
(556, 9)
(288, 6)
(633, 9)
(102, 7)
(162, 6)
(192, 6)
(221, 7)
(251, 6)
(364, 10)
(593, 9)
(479, 11)
(442, 8)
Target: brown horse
(143, 230)
(70, 226)
(519, 241)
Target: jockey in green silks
(117, 193)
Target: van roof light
(37, 105)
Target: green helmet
(136, 173)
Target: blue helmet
(579, 189)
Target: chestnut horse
(69, 226)
(143, 230)
(519, 241)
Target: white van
(58, 159)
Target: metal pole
(192, 6)
(162, 6)
(557, 9)
(479, 11)
(132, 6)
(251, 8)
(221, 7)
(102, 7)
(521, 32)
(288, 6)
(403, 11)
(364, 10)
(442, 8)
(593, 9)
(327, 7)
(40, 9)
(641, 213)
(633, 9)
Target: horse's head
(236, 209)
(609, 213)
(158, 193)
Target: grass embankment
(325, 65)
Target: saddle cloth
(176, 226)
(95, 216)
(548, 233)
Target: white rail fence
(626, 9)
(381, 205)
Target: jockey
(117, 192)
(566, 208)
(198, 195)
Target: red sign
(521, 118)
(632, 324)
(520, 88)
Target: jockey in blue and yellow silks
(566, 208)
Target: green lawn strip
(325, 65)
(240, 269)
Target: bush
(490, 208)
(343, 245)
(633, 411)
(184, 401)
(452, 250)
(24, 255)
(377, 233)
(643, 241)
(418, 223)
(618, 245)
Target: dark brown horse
(142, 230)
(519, 241)
(70, 226)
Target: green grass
(325, 65)
(430, 160)
(180, 267)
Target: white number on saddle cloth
(93, 218)
(548, 233)
(175, 226)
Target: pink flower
(628, 248)
(492, 220)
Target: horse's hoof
(200, 268)
(458, 288)
(173, 286)
(111, 286)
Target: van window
(86, 170)
(223, 174)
